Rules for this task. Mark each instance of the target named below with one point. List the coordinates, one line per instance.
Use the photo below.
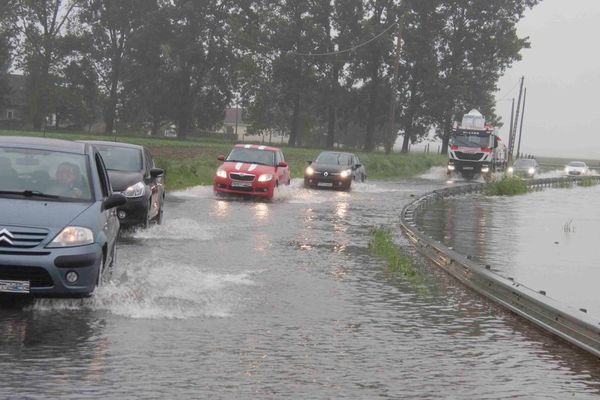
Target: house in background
(236, 126)
(14, 107)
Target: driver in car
(68, 177)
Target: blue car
(58, 222)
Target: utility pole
(521, 128)
(391, 136)
(513, 132)
(512, 117)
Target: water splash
(174, 229)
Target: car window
(281, 157)
(104, 180)
(52, 172)
(333, 158)
(117, 158)
(252, 156)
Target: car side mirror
(154, 172)
(221, 158)
(357, 166)
(309, 162)
(282, 164)
(114, 200)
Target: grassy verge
(382, 245)
(507, 186)
(587, 181)
(193, 162)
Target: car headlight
(73, 236)
(310, 171)
(531, 171)
(346, 173)
(485, 169)
(451, 167)
(567, 169)
(265, 177)
(221, 173)
(511, 170)
(136, 190)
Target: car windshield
(471, 140)
(119, 158)
(59, 175)
(333, 159)
(252, 156)
(522, 163)
(577, 164)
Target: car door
(153, 184)
(109, 220)
(282, 172)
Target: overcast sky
(562, 76)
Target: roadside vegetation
(382, 245)
(507, 186)
(193, 162)
(587, 181)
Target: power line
(508, 93)
(348, 50)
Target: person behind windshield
(69, 178)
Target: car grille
(468, 156)
(241, 177)
(328, 173)
(21, 238)
(38, 277)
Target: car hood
(247, 168)
(38, 213)
(329, 167)
(121, 180)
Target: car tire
(146, 222)
(363, 177)
(161, 211)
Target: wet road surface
(244, 299)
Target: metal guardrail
(566, 322)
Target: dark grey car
(58, 223)
(334, 169)
(133, 173)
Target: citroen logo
(6, 236)
(326, 174)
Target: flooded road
(244, 299)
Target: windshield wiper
(30, 193)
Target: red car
(252, 169)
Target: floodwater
(278, 300)
(547, 240)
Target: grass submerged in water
(588, 181)
(507, 186)
(382, 245)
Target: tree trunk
(407, 133)
(294, 132)
(447, 126)
(369, 135)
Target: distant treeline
(322, 71)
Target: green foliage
(507, 186)
(382, 245)
(587, 181)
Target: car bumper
(133, 212)
(331, 181)
(46, 270)
(260, 189)
(574, 173)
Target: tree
(111, 23)
(476, 44)
(43, 26)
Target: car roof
(336, 152)
(66, 146)
(113, 144)
(256, 147)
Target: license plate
(468, 168)
(325, 184)
(241, 184)
(14, 286)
